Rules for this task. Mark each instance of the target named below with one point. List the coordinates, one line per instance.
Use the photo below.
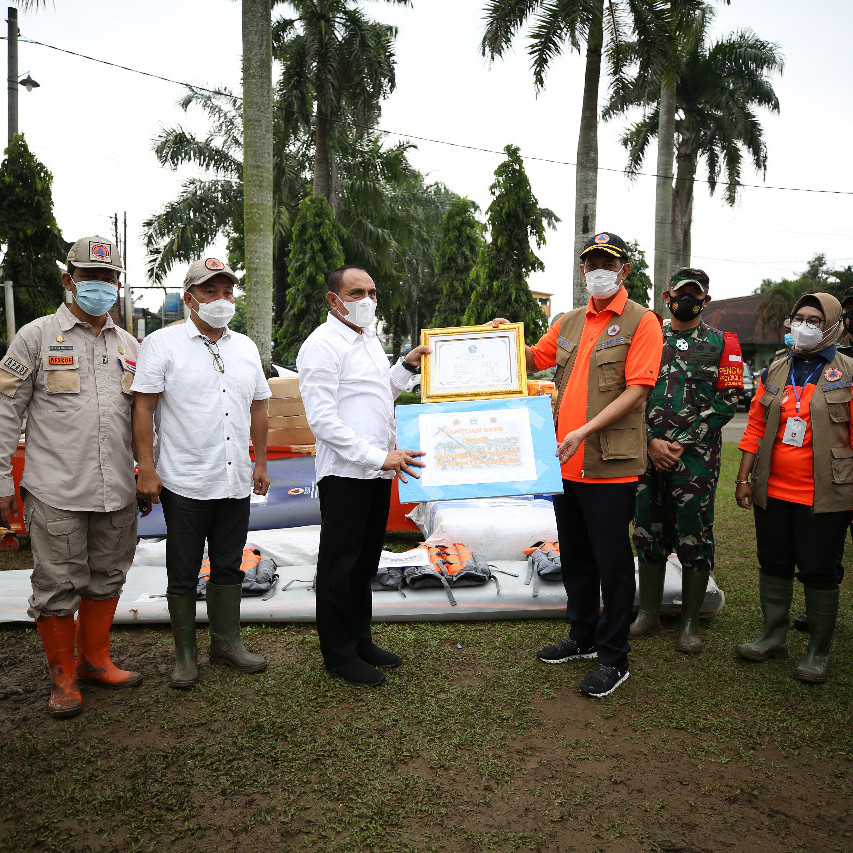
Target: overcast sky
(93, 126)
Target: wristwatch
(410, 367)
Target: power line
(431, 140)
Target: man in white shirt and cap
(207, 387)
(349, 390)
(70, 373)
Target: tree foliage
(30, 234)
(638, 284)
(506, 261)
(459, 245)
(718, 87)
(780, 296)
(337, 65)
(315, 252)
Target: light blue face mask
(789, 340)
(96, 297)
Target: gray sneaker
(564, 651)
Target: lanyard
(808, 379)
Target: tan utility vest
(620, 449)
(829, 415)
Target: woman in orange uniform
(797, 473)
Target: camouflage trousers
(675, 512)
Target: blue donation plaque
(480, 449)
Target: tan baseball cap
(201, 271)
(92, 252)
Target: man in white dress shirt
(349, 392)
(208, 390)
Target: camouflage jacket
(700, 379)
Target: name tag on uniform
(795, 432)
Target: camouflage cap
(94, 252)
(689, 275)
(201, 271)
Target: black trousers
(595, 546)
(354, 515)
(223, 523)
(794, 542)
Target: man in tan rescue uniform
(70, 373)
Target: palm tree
(258, 172)
(572, 22)
(716, 90)
(389, 215)
(336, 64)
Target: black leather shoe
(356, 672)
(376, 656)
(801, 622)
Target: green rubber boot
(182, 614)
(693, 586)
(776, 594)
(223, 613)
(651, 594)
(822, 607)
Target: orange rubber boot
(94, 620)
(57, 637)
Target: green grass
(474, 748)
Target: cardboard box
(287, 437)
(284, 386)
(285, 407)
(292, 422)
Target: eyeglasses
(814, 322)
(213, 349)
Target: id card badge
(795, 432)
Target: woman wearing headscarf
(796, 472)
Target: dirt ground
(471, 745)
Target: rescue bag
(387, 578)
(543, 561)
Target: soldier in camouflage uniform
(701, 376)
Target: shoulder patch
(12, 373)
(12, 365)
(731, 363)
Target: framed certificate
(480, 449)
(474, 363)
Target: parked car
(748, 387)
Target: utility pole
(128, 298)
(10, 312)
(12, 41)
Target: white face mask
(808, 338)
(216, 314)
(360, 313)
(602, 283)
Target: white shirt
(202, 415)
(349, 390)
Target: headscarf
(831, 309)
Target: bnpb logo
(214, 264)
(99, 252)
(833, 374)
(613, 330)
(602, 238)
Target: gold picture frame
(474, 363)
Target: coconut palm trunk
(258, 172)
(323, 158)
(586, 173)
(663, 193)
(682, 205)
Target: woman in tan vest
(797, 473)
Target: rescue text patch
(14, 366)
(61, 360)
